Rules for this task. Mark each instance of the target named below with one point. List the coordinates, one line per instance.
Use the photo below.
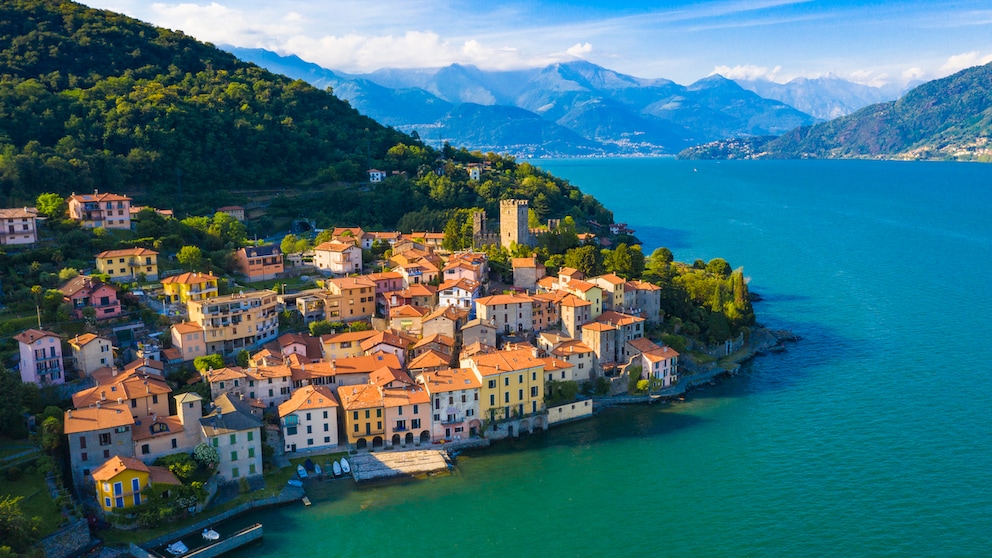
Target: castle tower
(513, 223)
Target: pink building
(89, 292)
(41, 357)
(110, 211)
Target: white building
(338, 258)
(309, 419)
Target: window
(533, 376)
(400, 410)
(82, 442)
(291, 431)
(234, 439)
(106, 501)
(251, 435)
(416, 409)
(251, 453)
(325, 414)
(506, 397)
(533, 391)
(215, 442)
(492, 400)
(327, 439)
(415, 423)
(119, 501)
(234, 456)
(251, 469)
(437, 403)
(84, 456)
(356, 427)
(520, 379)
(368, 414)
(135, 485)
(378, 413)
(327, 427)
(175, 443)
(118, 488)
(235, 473)
(520, 395)
(105, 439)
(506, 381)
(492, 384)
(145, 450)
(309, 429)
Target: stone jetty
(383, 465)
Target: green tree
(190, 257)
(17, 530)
(242, 358)
(11, 405)
(718, 266)
(51, 435)
(322, 327)
(51, 205)
(212, 362)
(587, 259)
(206, 456)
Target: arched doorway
(362, 443)
(538, 424)
(396, 440)
(524, 427)
(473, 427)
(409, 438)
(377, 442)
(425, 437)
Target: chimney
(120, 400)
(113, 371)
(69, 413)
(103, 396)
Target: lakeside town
(236, 376)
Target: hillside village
(425, 346)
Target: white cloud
(965, 60)
(579, 49)
(913, 74)
(217, 23)
(749, 72)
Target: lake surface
(870, 437)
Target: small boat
(295, 482)
(301, 472)
(337, 469)
(345, 466)
(317, 470)
(308, 464)
(210, 535)
(177, 548)
(306, 501)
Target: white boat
(301, 472)
(295, 482)
(337, 469)
(210, 535)
(177, 548)
(345, 466)
(317, 470)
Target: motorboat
(337, 469)
(295, 482)
(210, 535)
(177, 548)
(345, 466)
(301, 472)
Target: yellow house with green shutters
(512, 383)
(188, 286)
(120, 482)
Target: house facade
(512, 383)
(128, 264)
(309, 419)
(338, 258)
(454, 402)
(237, 321)
(510, 313)
(189, 286)
(96, 210)
(260, 263)
(91, 352)
(236, 434)
(187, 338)
(89, 292)
(40, 357)
(18, 225)
(120, 481)
(95, 434)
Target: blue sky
(878, 43)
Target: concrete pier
(383, 465)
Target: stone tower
(513, 223)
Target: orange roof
(384, 276)
(551, 363)
(524, 262)
(548, 282)
(597, 326)
(125, 386)
(360, 397)
(420, 289)
(344, 283)
(573, 301)
(224, 374)
(309, 397)
(384, 337)
(116, 465)
(32, 335)
(145, 427)
(452, 379)
(127, 252)
(347, 336)
(618, 319)
(186, 327)
(463, 283)
(661, 353)
(406, 395)
(644, 285)
(334, 246)
(643, 344)
(161, 475)
(476, 348)
(452, 313)
(429, 359)
(443, 340)
(571, 272)
(504, 299)
(81, 340)
(386, 375)
(98, 197)
(581, 286)
(103, 417)
(189, 278)
(612, 279)
(571, 347)
(407, 311)
(506, 361)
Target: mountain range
(948, 118)
(565, 109)
(825, 97)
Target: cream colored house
(236, 321)
(187, 338)
(309, 419)
(338, 258)
(454, 402)
(91, 352)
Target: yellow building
(362, 408)
(347, 299)
(120, 482)
(512, 383)
(185, 287)
(128, 264)
(235, 322)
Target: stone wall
(67, 541)
(569, 412)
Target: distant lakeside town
(182, 381)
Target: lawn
(37, 501)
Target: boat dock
(383, 465)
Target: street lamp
(284, 289)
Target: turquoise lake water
(870, 437)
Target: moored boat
(317, 470)
(210, 535)
(301, 472)
(345, 466)
(337, 469)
